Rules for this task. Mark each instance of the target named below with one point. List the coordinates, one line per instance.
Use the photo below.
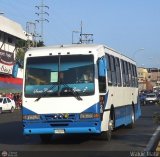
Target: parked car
(151, 98)
(158, 97)
(142, 97)
(6, 104)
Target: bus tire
(45, 138)
(107, 135)
(112, 118)
(131, 125)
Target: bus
(83, 89)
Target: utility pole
(31, 34)
(85, 38)
(41, 14)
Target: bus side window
(135, 75)
(130, 74)
(118, 72)
(113, 71)
(109, 70)
(126, 73)
(123, 73)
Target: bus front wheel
(106, 135)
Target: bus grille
(60, 118)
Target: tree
(20, 56)
(21, 49)
(40, 44)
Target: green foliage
(22, 47)
(40, 44)
(20, 56)
(21, 44)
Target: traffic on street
(124, 140)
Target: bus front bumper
(28, 131)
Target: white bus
(78, 89)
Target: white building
(10, 33)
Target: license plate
(59, 131)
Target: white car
(151, 98)
(6, 104)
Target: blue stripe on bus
(26, 111)
(123, 114)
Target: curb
(153, 143)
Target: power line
(42, 16)
(85, 38)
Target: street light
(134, 54)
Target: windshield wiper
(44, 93)
(75, 93)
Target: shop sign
(6, 62)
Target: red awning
(11, 80)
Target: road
(123, 140)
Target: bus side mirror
(102, 66)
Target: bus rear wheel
(132, 124)
(46, 138)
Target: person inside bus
(87, 76)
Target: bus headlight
(89, 115)
(31, 117)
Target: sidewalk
(158, 147)
(154, 143)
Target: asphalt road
(123, 140)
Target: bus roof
(86, 47)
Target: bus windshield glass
(52, 76)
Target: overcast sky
(124, 25)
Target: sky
(131, 27)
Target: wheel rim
(133, 117)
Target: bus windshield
(64, 73)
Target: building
(154, 76)
(142, 78)
(148, 78)
(10, 74)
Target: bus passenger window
(123, 73)
(109, 78)
(113, 71)
(126, 73)
(118, 72)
